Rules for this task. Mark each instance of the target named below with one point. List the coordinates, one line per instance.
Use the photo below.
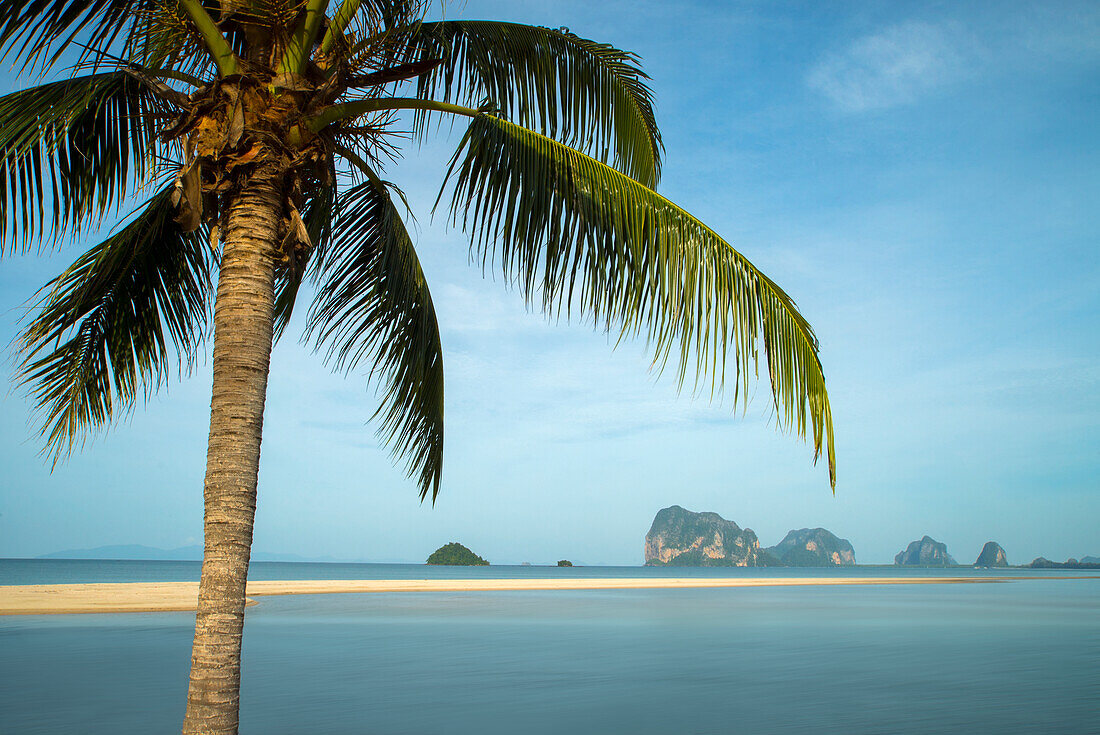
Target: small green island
(455, 554)
(564, 563)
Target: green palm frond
(373, 307)
(69, 151)
(586, 237)
(589, 95)
(99, 337)
(355, 25)
(44, 29)
(163, 37)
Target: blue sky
(923, 178)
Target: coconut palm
(249, 140)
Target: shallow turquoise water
(1019, 657)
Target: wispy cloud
(895, 66)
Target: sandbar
(135, 597)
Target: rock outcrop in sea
(681, 538)
(925, 553)
(1043, 563)
(992, 556)
(813, 547)
(455, 554)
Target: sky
(922, 177)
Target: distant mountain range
(139, 552)
(183, 553)
(129, 551)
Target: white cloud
(895, 66)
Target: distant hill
(456, 555)
(130, 551)
(813, 547)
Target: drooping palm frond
(99, 337)
(373, 307)
(589, 95)
(586, 237)
(69, 151)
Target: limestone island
(455, 554)
(813, 547)
(992, 556)
(681, 538)
(564, 563)
(1043, 563)
(928, 552)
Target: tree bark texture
(243, 318)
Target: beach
(135, 597)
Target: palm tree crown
(554, 180)
(249, 139)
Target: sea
(1021, 656)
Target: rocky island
(813, 547)
(928, 552)
(455, 554)
(992, 556)
(681, 538)
(1043, 563)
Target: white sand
(165, 596)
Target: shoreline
(146, 597)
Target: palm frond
(357, 25)
(164, 37)
(589, 95)
(69, 151)
(586, 237)
(373, 307)
(44, 29)
(99, 337)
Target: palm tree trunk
(243, 317)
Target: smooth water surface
(1016, 657)
(77, 571)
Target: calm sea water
(74, 571)
(1018, 657)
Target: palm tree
(255, 134)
